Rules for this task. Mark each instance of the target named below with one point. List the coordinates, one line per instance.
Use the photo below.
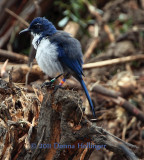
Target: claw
(47, 84)
(56, 88)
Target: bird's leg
(49, 84)
(61, 83)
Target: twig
(113, 61)
(93, 44)
(100, 89)
(17, 17)
(10, 77)
(13, 56)
(3, 69)
(27, 139)
(108, 31)
(6, 36)
(130, 108)
(120, 101)
(27, 75)
(93, 11)
(91, 48)
(136, 133)
(37, 7)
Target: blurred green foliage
(126, 26)
(75, 11)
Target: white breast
(47, 57)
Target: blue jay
(57, 52)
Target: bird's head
(40, 26)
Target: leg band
(55, 78)
(62, 82)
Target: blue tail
(88, 96)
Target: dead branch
(20, 73)
(101, 90)
(25, 9)
(15, 57)
(113, 61)
(17, 17)
(3, 72)
(109, 95)
(15, 65)
(22, 58)
(94, 12)
(91, 48)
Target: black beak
(25, 30)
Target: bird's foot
(57, 87)
(47, 84)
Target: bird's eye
(37, 26)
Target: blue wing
(74, 64)
(69, 52)
(70, 56)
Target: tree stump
(55, 129)
(63, 132)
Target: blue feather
(73, 64)
(88, 96)
(76, 67)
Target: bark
(62, 122)
(51, 127)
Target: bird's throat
(35, 40)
